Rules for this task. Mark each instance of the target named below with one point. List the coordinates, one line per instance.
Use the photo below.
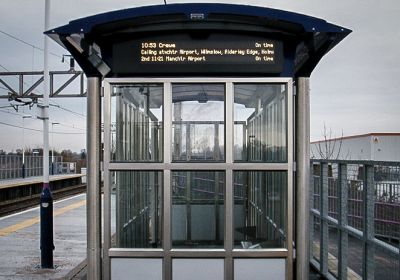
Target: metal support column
(312, 217)
(369, 223)
(343, 211)
(93, 198)
(106, 272)
(167, 196)
(324, 243)
(302, 177)
(229, 189)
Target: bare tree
(330, 147)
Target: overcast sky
(355, 88)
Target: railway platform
(21, 193)
(19, 242)
(10, 183)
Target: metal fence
(11, 166)
(355, 219)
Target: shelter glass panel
(198, 269)
(260, 116)
(245, 269)
(198, 122)
(137, 123)
(198, 209)
(260, 209)
(136, 268)
(138, 209)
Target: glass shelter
(205, 112)
(200, 174)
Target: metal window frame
(167, 253)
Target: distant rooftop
(359, 136)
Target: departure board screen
(184, 54)
(207, 52)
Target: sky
(354, 89)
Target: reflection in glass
(137, 123)
(260, 123)
(198, 209)
(137, 215)
(198, 122)
(260, 209)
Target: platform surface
(19, 241)
(35, 180)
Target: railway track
(15, 205)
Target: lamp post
(46, 199)
(23, 143)
(52, 146)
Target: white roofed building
(371, 146)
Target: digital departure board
(213, 54)
(207, 52)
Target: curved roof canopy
(92, 40)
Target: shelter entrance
(198, 174)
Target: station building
(371, 146)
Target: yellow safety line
(30, 222)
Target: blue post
(46, 227)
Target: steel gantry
(21, 89)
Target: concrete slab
(34, 180)
(19, 241)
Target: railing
(204, 191)
(355, 219)
(11, 166)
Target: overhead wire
(26, 43)
(17, 126)
(11, 113)
(7, 71)
(4, 68)
(57, 106)
(68, 110)
(7, 106)
(58, 122)
(70, 126)
(39, 130)
(17, 78)
(68, 133)
(35, 47)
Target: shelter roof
(308, 38)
